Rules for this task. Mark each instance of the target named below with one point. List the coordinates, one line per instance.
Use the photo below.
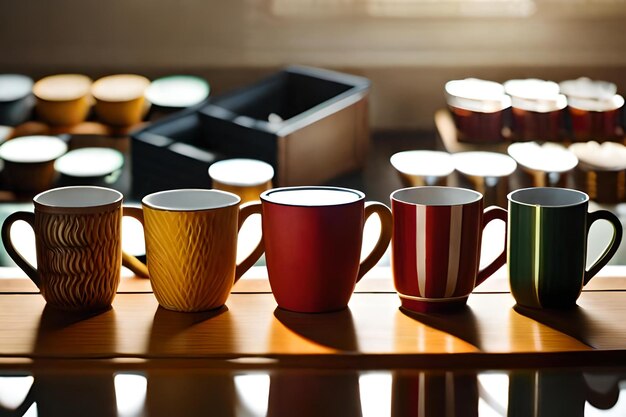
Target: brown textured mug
(191, 246)
(78, 245)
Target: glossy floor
(171, 392)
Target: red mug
(312, 238)
(437, 233)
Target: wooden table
(373, 333)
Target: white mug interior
(548, 197)
(77, 197)
(312, 196)
(190, 200)
(436, 196)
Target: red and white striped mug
(436, 246)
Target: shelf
(372, 333)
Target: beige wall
(233, 42)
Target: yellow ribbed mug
(191, 246)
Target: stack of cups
(594, 109)
(478, 108)
(537, 109)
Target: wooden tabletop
(372, 333)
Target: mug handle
(493, 213)
(613, 245)
(29, 218)
(386, 227)
(129, 261)
(245, 211)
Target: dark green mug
(547, 245)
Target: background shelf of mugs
(597, 169)
(532, 109)
(74, 104)
(40, 121)
(32, 164)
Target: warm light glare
(13, 390)
(253, 393)
(132, 236)
(23, 238)
(375, 394)
(130, 394)
(32, 411)
(249, 236)
(493, 389)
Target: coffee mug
(313, 239)
(436, 246)
(191, 246)
(247, 178)
(78, 246)
(547, 245)
(120, 99)
(63, 99)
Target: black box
(310, 124)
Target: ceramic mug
(191, 246)
(29, 163)
(547, 245)
(63, 99)
(120, 99)
(436, 246)
(78, 246)
(247, 178)
(313, 239)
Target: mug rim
(511, 196)
(477, 194)
(77, 208)
(265, 195)
(206, 207)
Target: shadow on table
(335, 330)
(173, 333)
(574, 322)
(462, 323)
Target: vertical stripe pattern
(454, 251)
(436, 249)
(420, 221)
(537, 254)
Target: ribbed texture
(79, 258)
(191, 257)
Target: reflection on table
(299, 392)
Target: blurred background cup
(120, 99)
(436, 246)
(89, 166)
(175, 92)
(594, 109)
(16, 99)
(486, 172)
(537, 109)
(547, 236)
(63, 99)
(247, 178)
(601, 172)
(478, 108)
(547, 165)
(417, 168)
(29, 162)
